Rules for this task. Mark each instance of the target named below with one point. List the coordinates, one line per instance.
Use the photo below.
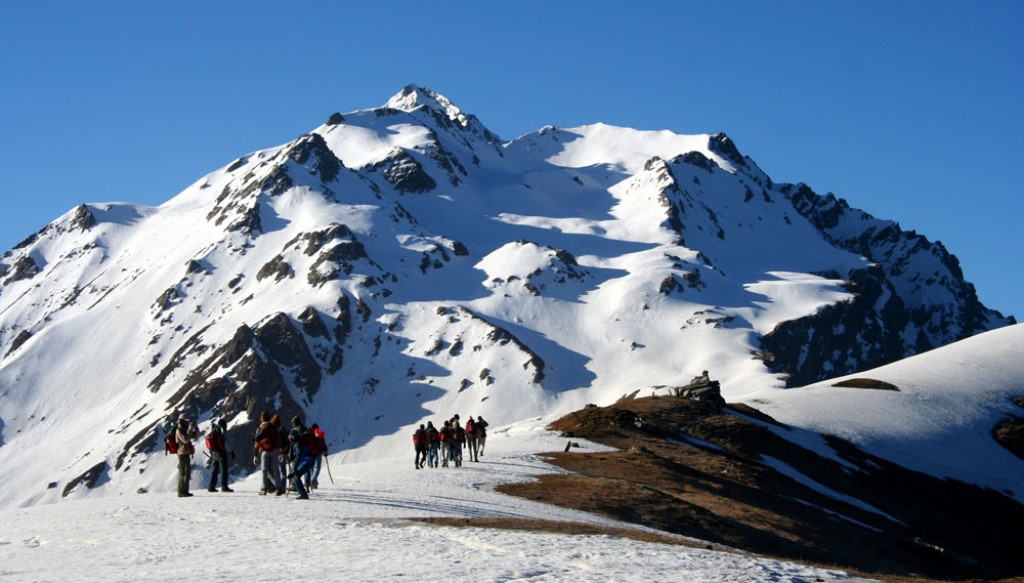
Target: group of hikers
(281, 454)
(437, 447)
(295, 455)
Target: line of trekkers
(296, 455)
(437, 447)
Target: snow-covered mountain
(403, 263)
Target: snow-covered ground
(354, 530)
(940, 421)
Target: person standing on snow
(268, 444)
(183, 436)
(215, 442)
(282, 454)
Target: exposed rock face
(405, 173)
(913, 299)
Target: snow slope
(940, 421)
(355, 530)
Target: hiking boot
(281, 492)
(226, 489)
(263, 492)
(302, 497)
(185, 495)
(211, 489)
(316, 484)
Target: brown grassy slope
(690, 469)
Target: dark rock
(89, 478)
(722, 145)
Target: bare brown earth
(691, 469)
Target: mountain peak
(413, 97)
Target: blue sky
(910, 110)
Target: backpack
(433, 436)
(469, 426)
(171, 444)
(313, 442)
(215, 440)
(419, 438)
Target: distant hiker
(282, 454)
(445, 442)
(419, 444)
(268, 444)
(217, 445)
(301, 455)
(183, 437)
(458, 440)
(433, 444)
(313, 477)
(471, 439)
(481, 433)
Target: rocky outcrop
(404, 173)
(912, 299)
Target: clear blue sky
(910, 110)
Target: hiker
(282, 453)
(313, 477)
(183, 436)
(481, 433)
(471, 439)
(217, 445)
(300, 455)
(268, 444)
(433, 444)
(419, 444)
(458, 439)
(445, 442)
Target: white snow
(356, 529)
(941, 420)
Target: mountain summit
(402, 263)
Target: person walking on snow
(433, 444)
(481, 432)
(301, 456)
(183, 436)
(313, 478)
(419, 444)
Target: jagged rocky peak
(722, 145)
(412, 97)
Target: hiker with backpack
(471, 439)
(458, 440)
(268, 444)
(300, 455)
(183, 436)
(419, 444)
(445, 442)
(433, 444)
(313, 477)
(217, 446)
(282, 453)
(481, 434)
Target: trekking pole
(328, 464)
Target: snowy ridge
(401, 263)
